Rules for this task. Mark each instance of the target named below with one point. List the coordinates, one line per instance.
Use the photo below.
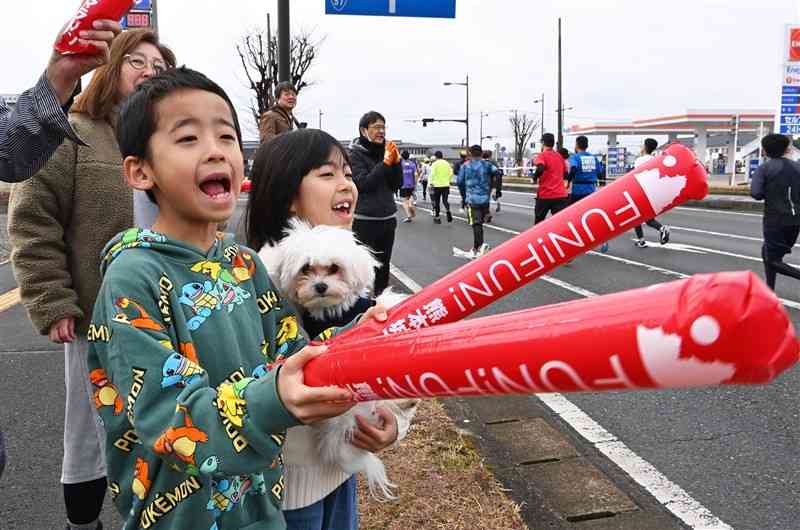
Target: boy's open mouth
(215, 185)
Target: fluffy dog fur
(325, 270)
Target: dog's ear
(364, 265)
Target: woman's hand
(63, 331)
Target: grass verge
(442, 483)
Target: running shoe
(641, 243)
(437, 220)
(488, 219)
(498, 207)
(663, 236)
(483, 250)
(604, 248)
(407, 220)
(449, 217)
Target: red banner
(668, 180)
(90, 10)
(723, 328)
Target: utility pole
(541, 100)
(320, 119)
(560, 109)
(283, 40)
(154, 15)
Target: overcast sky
(632, 59)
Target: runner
(497, 179)
(552, 194)
(584, 172)
(475, 178)
(424, 173)
(648, 148)
(456, 170)
(408, 186)
(441, 174)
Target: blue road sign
(393, 8)
(790, 109)
(790, 89)
(790, 120)
(790, 129)
(141, 5)
(790, 100)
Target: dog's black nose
(320, 287)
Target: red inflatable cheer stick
(723, 328)
(663, 183)
(90, 10)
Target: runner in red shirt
(550, 172)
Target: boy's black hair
(548, 139)
(279, 167)
(476, 151)
(650, 145)
(582, 142)
(405, 154)
(438, 154)
(284, 86)
(369, 118)
(137, 121)
(564, 152)
(775, 145)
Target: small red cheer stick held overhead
(710, 329)
(668, 180)
(90, 10)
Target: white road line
(720, 234)
(653, 268)
(670, 495)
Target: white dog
(328, 275)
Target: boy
(777, 183)
(648, 148)
(188, 335)
(474, 177)
(550, 172)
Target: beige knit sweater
(60, 220)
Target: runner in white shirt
(648, 148)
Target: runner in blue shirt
(584, 172)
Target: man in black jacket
(777, 183)
(378, 175)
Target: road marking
(9, 299)
(670, 495)
(653, 268)
(5, 262)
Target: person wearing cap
(279, 119)
(552, 196)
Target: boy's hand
(63, 331)
(310, 404)
(376, 312)
(374, 438)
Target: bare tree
(523, 128)
(258, 52)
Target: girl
(306, 174)
(58, 224)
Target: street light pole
(154, 16)
(560, 109)
(466, 118)
(481, 130)
(320, 119)
(283, 40)
(541, 100)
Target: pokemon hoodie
(182, 346)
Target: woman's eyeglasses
(140, 62)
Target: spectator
(58, 224)
(550, 173)
(31, 132)
(777, 183)
(279, 119)
(377, 174)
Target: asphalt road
(733, 451)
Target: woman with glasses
(378, 175)
(58, 222)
